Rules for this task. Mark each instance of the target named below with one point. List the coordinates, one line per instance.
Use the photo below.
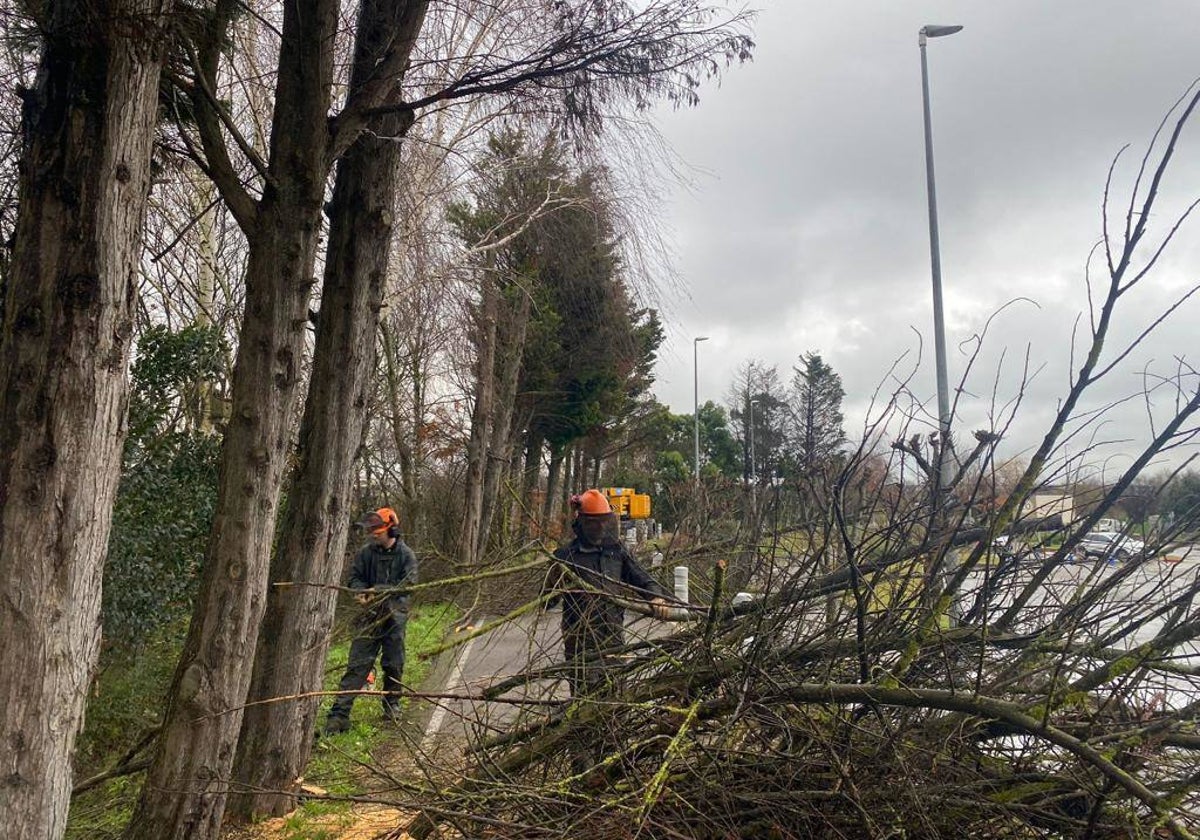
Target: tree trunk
(552, 492)
(276, 738)
(532, 468)
(401, 439)
(481, 421)
(201, 397)
(516, 323)
(88, 125)
(574, 462)
(412, 483)
(186, 787)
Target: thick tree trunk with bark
(186, 787)
(85, 174)
(276, 738)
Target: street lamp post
(696, 397)
(939, 330)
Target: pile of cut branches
(1072, 717)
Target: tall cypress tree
(817, 410)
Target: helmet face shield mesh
(599, 529)
(372, 522)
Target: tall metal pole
(696, 398)
(945, 471)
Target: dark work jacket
(612, 570)
(380, 568)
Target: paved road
(534, 641)
(1151, 585)
(1184, 553)
(527, 643)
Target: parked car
(1109, 545)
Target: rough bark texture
(85, 173)
(185, 790)
(276, 738)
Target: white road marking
(439, 713)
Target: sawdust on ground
(365, 822)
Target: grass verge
(336, 764)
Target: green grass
(301, 825)
(102, 812)
(335, 762)
(129, 700)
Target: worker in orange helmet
(592, 622)
(383, 564)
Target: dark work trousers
(583, 646)
(386, 636)
(592, 671)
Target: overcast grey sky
(806, 227)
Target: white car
(1106, 545)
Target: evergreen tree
(719, 450)
(817, 435)
(1181, 500)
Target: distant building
(1053, 501)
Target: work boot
(391, 713)
(336, 724)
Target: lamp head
(935, 31)
(700, 338)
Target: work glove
(660, 608)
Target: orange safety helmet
(593, 503)
(383, 519)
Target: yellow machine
(627, 503)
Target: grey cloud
(811, 231)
